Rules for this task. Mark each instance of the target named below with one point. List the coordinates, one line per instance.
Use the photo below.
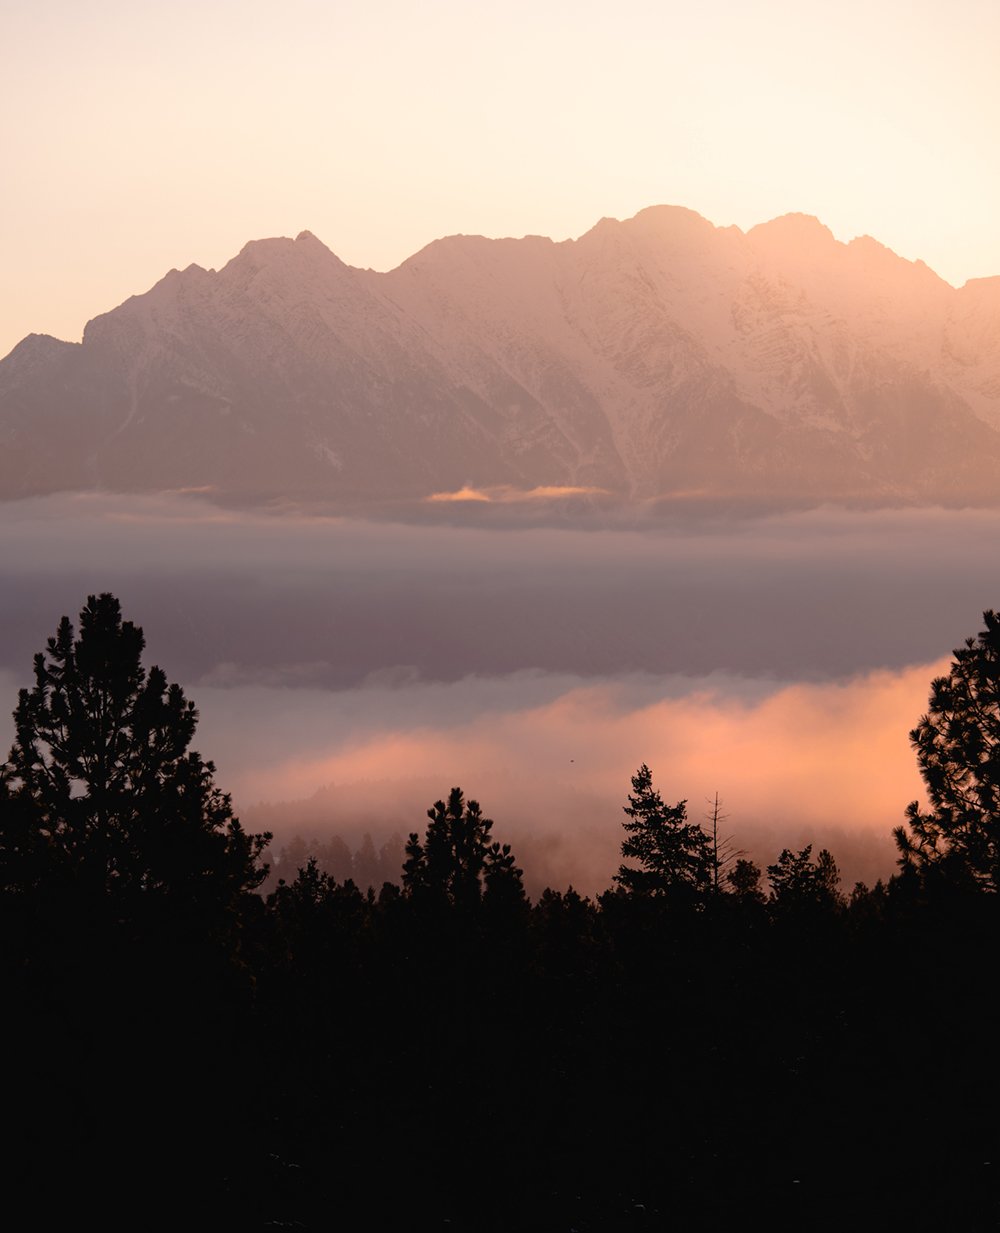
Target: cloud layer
(551, 759)
(769, 660)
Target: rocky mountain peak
(651, 358)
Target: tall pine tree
(958, 748)
(102, 796)
(456, 861)
(675, 856)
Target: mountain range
(657, 359)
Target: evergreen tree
(316, 916)
(958, 748)
(102, 795)
(798, 881)
(744, 882)
(503, 880)
(129, 931)
(675, 855)
(456, 860)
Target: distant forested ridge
(705, 1045)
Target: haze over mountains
(656, 359)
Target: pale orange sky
(140, 137)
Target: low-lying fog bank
(779, 661)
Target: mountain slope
(651, 358)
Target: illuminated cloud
(463, 494)
(825, 763)
(812, 752)
(505, 495)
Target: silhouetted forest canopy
(401, 1038)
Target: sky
(138, 138)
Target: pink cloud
(829, 763)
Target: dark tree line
(191, 1047)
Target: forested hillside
(705, 1045)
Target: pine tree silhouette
(675, 855)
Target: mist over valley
(349, 672)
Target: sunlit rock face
(656, 358)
